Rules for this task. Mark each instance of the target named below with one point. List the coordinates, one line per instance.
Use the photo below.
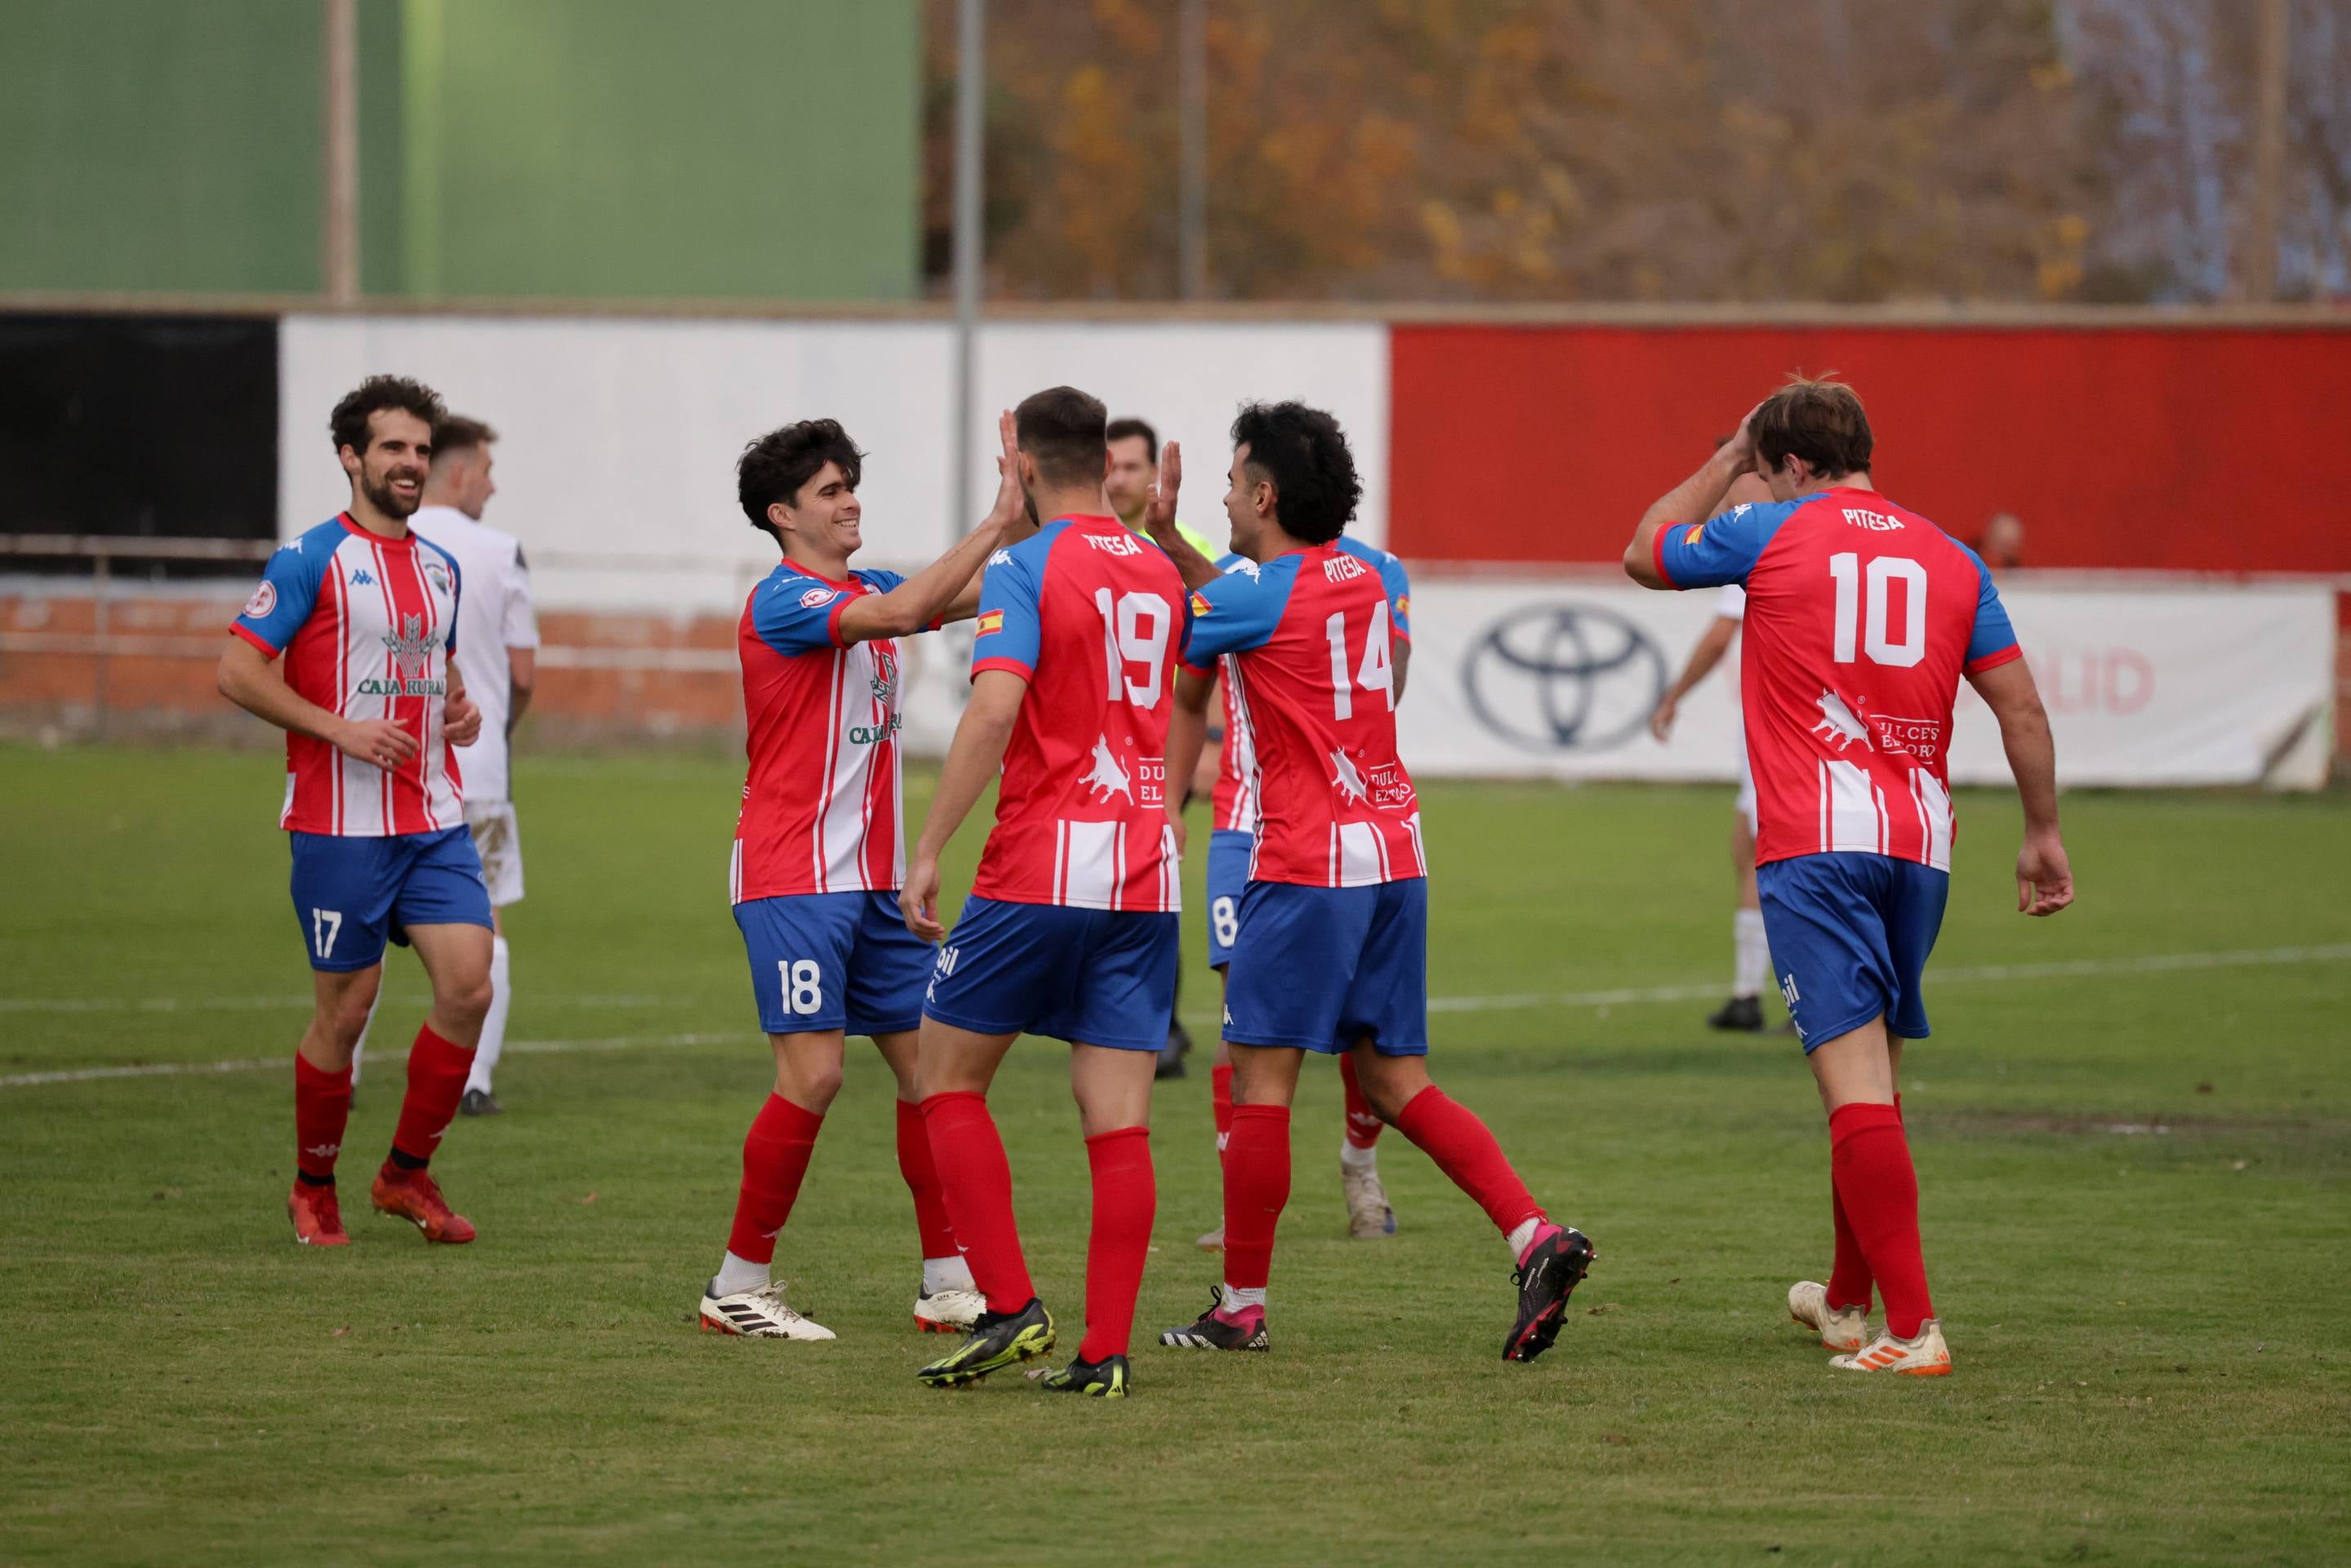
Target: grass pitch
(2131, 1128)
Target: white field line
(2148, 964)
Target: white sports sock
(494, 1022)
(1236, 1298)
(1356, 1159)
(1523, 1236)
(1753, 953)
(946, 1274)
(736, 1275)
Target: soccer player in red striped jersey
(1862, 618)
(1070, 929)
(349, 646)
(1332, 953)
(1232, 842)
(819, 851)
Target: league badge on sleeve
(264, 601)
(816, 596)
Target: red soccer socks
(436, 1080)
(1869, 1159)
(1257, 1187)
(1220, 1104)
(1451, 1135)
(322, 1106)
(922, 1174)
(977, 1181)
(1364, 1129)
(1126, 1200)
(1849, 1279)
(775, 1160)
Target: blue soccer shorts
(833, 960)
(1228, 863)
(1322, 967)
(352, 894)
(1092, 977)
(1850, 934)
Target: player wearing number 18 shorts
(1332, 950)
(819, 853)
(1069, 930)
(1862, 617)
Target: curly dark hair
(349, 423)
(774, 467)
(1305, 453)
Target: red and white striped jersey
(1308, 640)
(1233, 806)
(367, 625)
(1091, 616)
(821, 804)
(1861, 618)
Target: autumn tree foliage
(1681, 150)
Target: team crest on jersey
(437, 575)
(990, 621)
(816, 596)
(264, 601)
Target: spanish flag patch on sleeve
(1199, 604)
(1690, 539)
(990, 621)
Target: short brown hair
(349, 423)
(456, 432)
(1063, 430)
(1822, 421)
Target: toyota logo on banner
(1563, 677)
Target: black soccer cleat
(1554, 1267)
(480, 1102)
(1172, 1054)
(998, 1341)
(1103, 1379)
(1243, 1330)
(1744, 1014)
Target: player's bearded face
(393, 481)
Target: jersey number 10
(1845, 570)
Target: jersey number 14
(1378, 671)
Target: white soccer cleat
(948, 1311)
(1924, 1356)
(1840, 1328)
(757, 1315)
(1368, 1214)
(1213, 1241)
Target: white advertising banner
(2176, 686)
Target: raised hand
(1159, 512)
(1011, 501)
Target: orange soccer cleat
(415, 1197)
(317, 1218)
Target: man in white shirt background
(497, 657)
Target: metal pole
(970, 153)
(2269, 156)
(339, 210)
(1192, 172)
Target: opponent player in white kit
(498, 653)
(1750, 954)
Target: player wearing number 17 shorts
(1069, 930)
(819, 853)
(1333, 951)
(1862, 616)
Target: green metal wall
(518, 148)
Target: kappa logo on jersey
(1000, 558)
(990, 623)
(1107, 777)
(1246, 568)
(816, 596)
(264, 601)
(361, 578)
(1838, 726)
